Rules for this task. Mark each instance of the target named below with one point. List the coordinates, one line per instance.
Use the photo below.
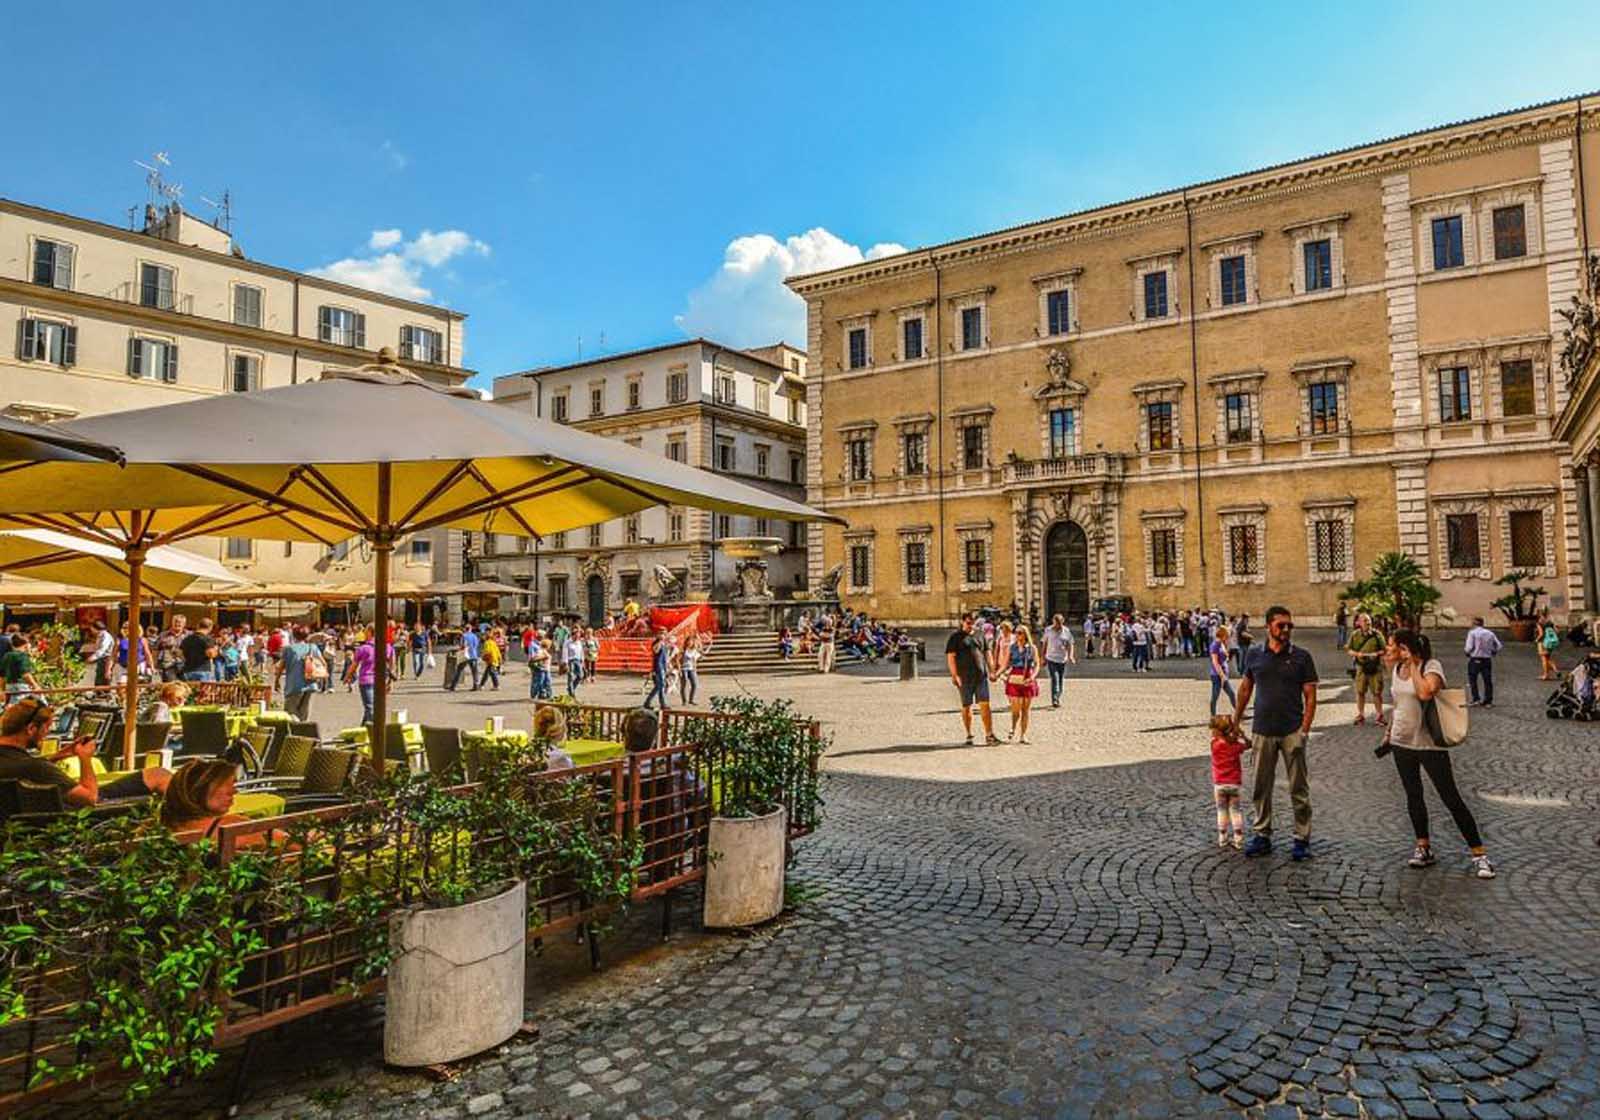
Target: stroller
(1574, 697)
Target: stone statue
(1582, 335)
(669, 588)
(753, 579)
(829, 587)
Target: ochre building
(1235, 393)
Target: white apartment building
(740, 412)
(101, 318)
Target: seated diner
(550, 726)
(22, 730)
(199, 799)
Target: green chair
(442, 746)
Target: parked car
(1112, 605)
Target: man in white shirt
(1139, 640)
(1481, 647)
(100, 656)
(1058, 652)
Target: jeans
(463, 666)
(689, 688)
(199, 675)
(1481, 669)
(1218, 686)
(366, 691)
(298, 705)
(1342, 635)
(1058, 677)
(1411, 764)
(574, 677)
(491, 675)
(1141, 657)
(539, 686)
(419, 661)
(1293, 749)
(658, 691)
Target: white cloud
(745, 303)
(396, 265)
(398, 160)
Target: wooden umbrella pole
(130, 710)
(382, 545)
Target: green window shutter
(69, 347)
(28, 339)
(171, 371)
(135, 358)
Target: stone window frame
(597, 385)
(1525, 194)
(979, 416)
(1164, 260)
(1330, 229)
(1535, 349)
(1224, 385)
(862, 431)
(1150, 521)
(920, 424)
(904, 314)
(908, 536)
(866, 538)
(1159, 392)
(1342, 510)
(1321, 371)
(854, 323)
(1478, 505)
(1062, 280)
(633, 392)
(1237, 245)
(1068, 394)
(1254, 515)
(1434, 361)
(963, 301)
(983, 533)
(1543, 501)
(1423, 215)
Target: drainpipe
(938, 421)
(294, 355)
(1194, 382)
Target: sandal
(1360, 720)
(1380, 721)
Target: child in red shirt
(1227, 779)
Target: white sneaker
(1222, 839)
(1482, 867)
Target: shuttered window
(52, 264)
(342, 327)
(246, 305)
(41, 340)
(152, 359)
(156, 286)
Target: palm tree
(1397, 591)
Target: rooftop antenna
(602, 347)
(160, 189)
(580, 348)
(224, 211)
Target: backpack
(1550, 639)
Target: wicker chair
(442, 746)
(328, 770)
(149, 737)
(205, 735)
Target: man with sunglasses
(23, 727)
(1283, 680)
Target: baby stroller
(1574, 697)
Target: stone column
(1580, 481)
(1591, 537)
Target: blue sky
(641, 172)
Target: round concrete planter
(456, 979)
(744, 881)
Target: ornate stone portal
(1094, 507)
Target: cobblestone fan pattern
(1073, 944)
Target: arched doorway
(1066, 570)
(597, 600)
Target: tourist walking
(540, 686)
(1282, 679)
(1341, 624)
(298, 678)
(199, 653)
(689, 686)
(969, 670)
(364, 668)
(1218, 654)
(660, 666)
(1058, 653)
(572, 655)
(103, 648)
(421, 650)
(1549, 639)
(1000, 650)
(467, 659)
(1139, 642)
(1366, 655)
(1227, 780)
(825, 646)
(1022, 682)
(490, 652)
(1482, 646)
(1418, 679)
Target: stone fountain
(752, 602)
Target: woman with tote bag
(1428, 719)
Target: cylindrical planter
(455, 979)
(744, 880)
(1522, 629)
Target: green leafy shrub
(764, 758)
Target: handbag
(1018, 678)
(1444, 716)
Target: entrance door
(597, 600)
(1066, 568)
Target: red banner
(670, 618)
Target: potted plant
(760, 765)
(1397, 591)
(1519, 605)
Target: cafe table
(258, 805)
(510, 737)
(357, 736)
(587, 752)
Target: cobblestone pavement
(1051, 931)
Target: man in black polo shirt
(968, 663)
(1283, 679)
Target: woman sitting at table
(173, 694)
(550, 726)
(198, 800)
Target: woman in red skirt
(1022, 682)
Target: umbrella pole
(130, 711)
(382, 546)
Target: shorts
(1229, 790)
(974, 692)
(1369, 683)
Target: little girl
(1227, 779)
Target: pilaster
(1560, 220)
(816, 562)
(1400, 270)
(1411, 509)
(1575, 548)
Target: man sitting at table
(22, 730)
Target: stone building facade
(738, 412)
(1235, 393)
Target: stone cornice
(688, 412)
(1551, 120)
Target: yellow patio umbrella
(48, 555)
(320, 461)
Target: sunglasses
(1281, 626)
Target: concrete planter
(456, 979)
(744, 881)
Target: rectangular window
(1527, 538)
(1324, 407)
(1455, 394)
(1516, 388)
(1164, 553)
(1158, 420)
(1244, 551)
(491, 545)
(597, 400)
(238, 548)
(633, 395)
(726, 389)
(794, 410)
(762, 527)
(341, 326)
(628, 584)
(860, 459)
(596, 535)
(858, 347)
(152, 359)
(630, 529)
(421, 344)
(972, 447)
(975, 557)
(972, 328)
(727, 458)
(155, 286)
(916, 564)
(421, 549)
(1063, 432)
(558, 408)
(797, 468)
(677, 387)
(763, 397)
(558, 593)
(916, 452)
(246, 373)
(724, 526)
(1237, 419)
(797, 534)
(911, 339)
(1319, 265)
(246, 305)
(558, 541)
(1461, 541)
(1510, 233)
(1233, 285)
(1058, 312)
(675, 524)
(52, 264)
(45, 341)
(1448, 251)
(860, 566)
(1155, 295)
(677, 451)
(763, 455)
(1330, 547)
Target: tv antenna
(224, 211)
(160, 189)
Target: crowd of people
(826, 633)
